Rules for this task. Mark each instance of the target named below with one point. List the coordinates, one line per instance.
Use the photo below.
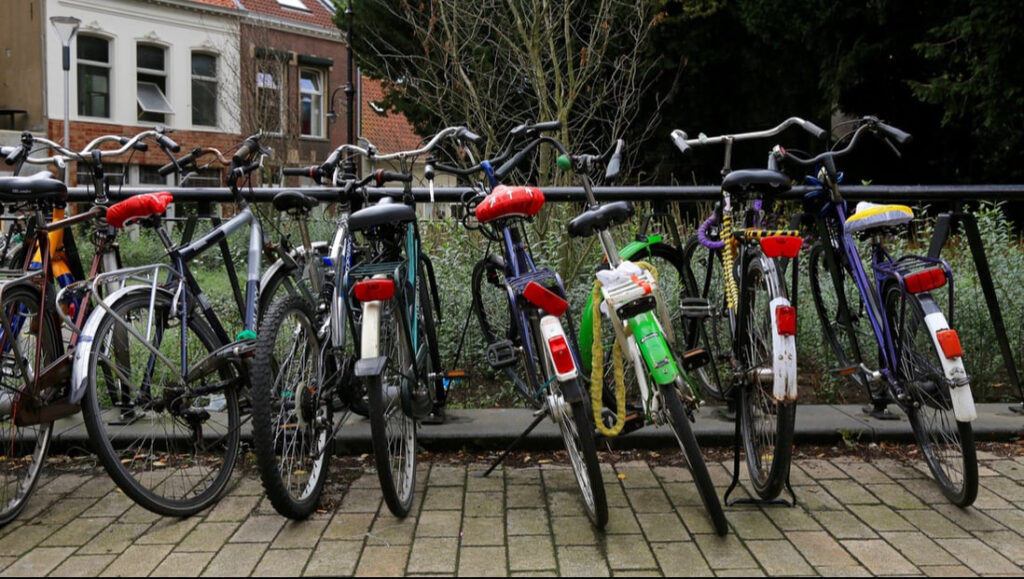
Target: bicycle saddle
(871, 215)
(593, 220)
(40, 188)
(138, 206)
(506, 201)
(288, 200)
(749, 180)
(384, 213)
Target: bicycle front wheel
(679, 420)
(711, 332)
(169, 440)
(23, 448)
(947, 444)
(291, 414)
(766, 424)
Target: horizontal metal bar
(647, 193)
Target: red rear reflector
(926, 280)
(372, 290)
(785, 320)
(561, 355)
(545, 299)
(781, 245)
(949, 341)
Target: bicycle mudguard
(784, 383)
(650, 340)
(959, 388)
(586, 333)
(80, 364)
(429, 268)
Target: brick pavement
(854, 518)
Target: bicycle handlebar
(868, 123)
(127, 143)
(683, 142)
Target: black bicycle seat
(381, 214)
(40, 188)
(751, 180)
(288, 200)
(599, 218)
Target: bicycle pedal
(695, 308)
(501, 354)
(847, 371)
(695, 358)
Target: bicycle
(744, 318)
(919, 358)
(306, 355)
(627, 293)
(154, 355)
(34, 389)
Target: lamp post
(66, 27)
(350, 86)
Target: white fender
(960, 389)
(783, 358)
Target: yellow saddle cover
(871, 215)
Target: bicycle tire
(577, 430)
(766, 424)
(292, 420)
(946, 444)
(489, 302)
(712, 333)
(140, 435)
(680, 423)
(281, 280)
(392, 430)
(23, 449)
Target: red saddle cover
(138, 206)
(507, 201)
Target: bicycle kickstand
(540, 416)
(736, 481)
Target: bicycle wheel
(170, 445)
(291, 414)
(947, 445)
(679, 420)
(392, 430)
(23, 449)
(577, 430)
(713, 332)
(280, 280)
(766, 424)
(489, 301)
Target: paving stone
(138, 514)
(933, 524)
(482, 561)
(681, 559)
(1008, 543)
(648, 500)
(248, 486)
(948, 571)
(1009, 518)
(726, 552)
(37, 562)
(111, 505)
(485, 504)
(791, 518)
(235, 560)
(114, 539)
(662, 527)
(299, 534)
(334, 558)
(683, 494)
(831, 571)
(95, 487)
(881, 518)
(970, 519)
(843, 525)
(615, 495)
(696, 520)
(753, 524)
(77, 532)
(919, 549)
(390, 530)
(629, 552)
(83, 565)
(897, 470)
(447, 476)
(168, 531)
(581, 561)
(282, 563)
(820, 549)
(721, 473)
(519, 476)
(925, 489)
(779, 557)
(979, 557)
(527, 553)
(753, 572)
(639, 476)
(439, 524)
(207, 537)
(527, 522)
(574, 531)
(137, 561)
(443, 498)
(258, 529)
(492, 482)
(989, 501)
(673, 474)
(348, 526)
(483, 531)
(1010, 490)
(897, 496)
(1009, 468)
(63, 484)
(183, 564)
(432, 555)
(62, 511)
(848, 492)
(621, 522)
(816, 498)
(525, 496)
(565, 503)
(232, 508)
(559, 478)
(879, 557)
(819, 469)
(864, 473)
(361, 500)
(636, 573)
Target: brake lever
(894, 148)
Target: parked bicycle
(895, 340)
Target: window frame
(151, 76)
(316, 97)
(107, 66)
(215, 80)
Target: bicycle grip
(900, 136)
(679, 138)
(547, 126)
(242, 153)
(818, 132)
(507, 167)
(612, 171)
(382, 177)
(167, 143)
(464, 133)
(138, 145)
(11, 154)
(171, 167)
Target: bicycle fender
(959, 388)
(80, 363)
(784, 356)
(650, 340)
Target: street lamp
(66, 27)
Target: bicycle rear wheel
(292, 419)
(713, 332)
(23, 448)
(679, 420)
(577, 430)
(947, 445)
(170, 445)
(766, 424)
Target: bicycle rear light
(558, 348)
(949, 341)
(781, 245)
(926, 280)
(545, 299)
(785, 319)
(372, 290)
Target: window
(268, 97)
(151, 80)
(296, 4)
(93, 76)
(311, 98)
(204, 89)
(113, 173)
